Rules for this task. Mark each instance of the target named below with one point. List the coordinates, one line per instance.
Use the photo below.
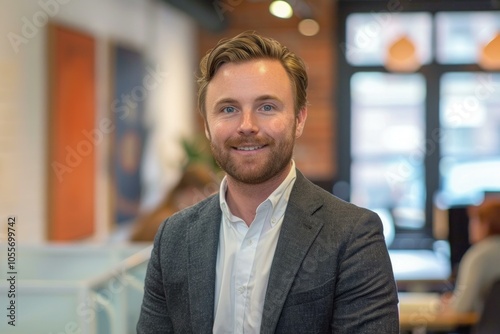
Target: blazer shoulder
(181, 220)
(310, 195)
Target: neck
(243, 198)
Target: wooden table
(419, 312)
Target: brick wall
(315, 151)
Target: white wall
(167, 38)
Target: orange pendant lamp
(489, 57)
(402, 56)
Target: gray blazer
(331, 272)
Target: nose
(248, 124)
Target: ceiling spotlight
(308, 27)
(281, 9)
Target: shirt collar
(279, 195)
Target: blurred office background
(404, 105)
(98, 98)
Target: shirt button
(273, 221)
(241, 289)
(250, 242)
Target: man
(271, 253)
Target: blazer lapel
(298, 232)
(202, 261)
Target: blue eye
(228, 109)
(267, 107)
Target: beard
(260, 167)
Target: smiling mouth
(249, 148)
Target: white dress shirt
(244, 260)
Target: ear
(301, 121)
(207, 131)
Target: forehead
(255, 76)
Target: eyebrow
(268, 97)
(229, 100)
(226, 100)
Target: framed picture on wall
(71, 121)
(129, 93)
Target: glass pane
(368, 36)
(470, 115)
(396, 185)
(387, 114)
(387, 145)
(470, 139)
(461, 35)
(466, 181)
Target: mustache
(249, 141)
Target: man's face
(250, 120)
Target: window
(461, 35)
(387, 169)
(470, 141)
(411, 137)
(369, 35)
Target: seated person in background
(197, 183)
(480, 265)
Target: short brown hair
(489, 214)
(249, 46)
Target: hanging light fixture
(285, 10)
(402, 56)
(308, 27)
(281, 9)
(489, 57)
